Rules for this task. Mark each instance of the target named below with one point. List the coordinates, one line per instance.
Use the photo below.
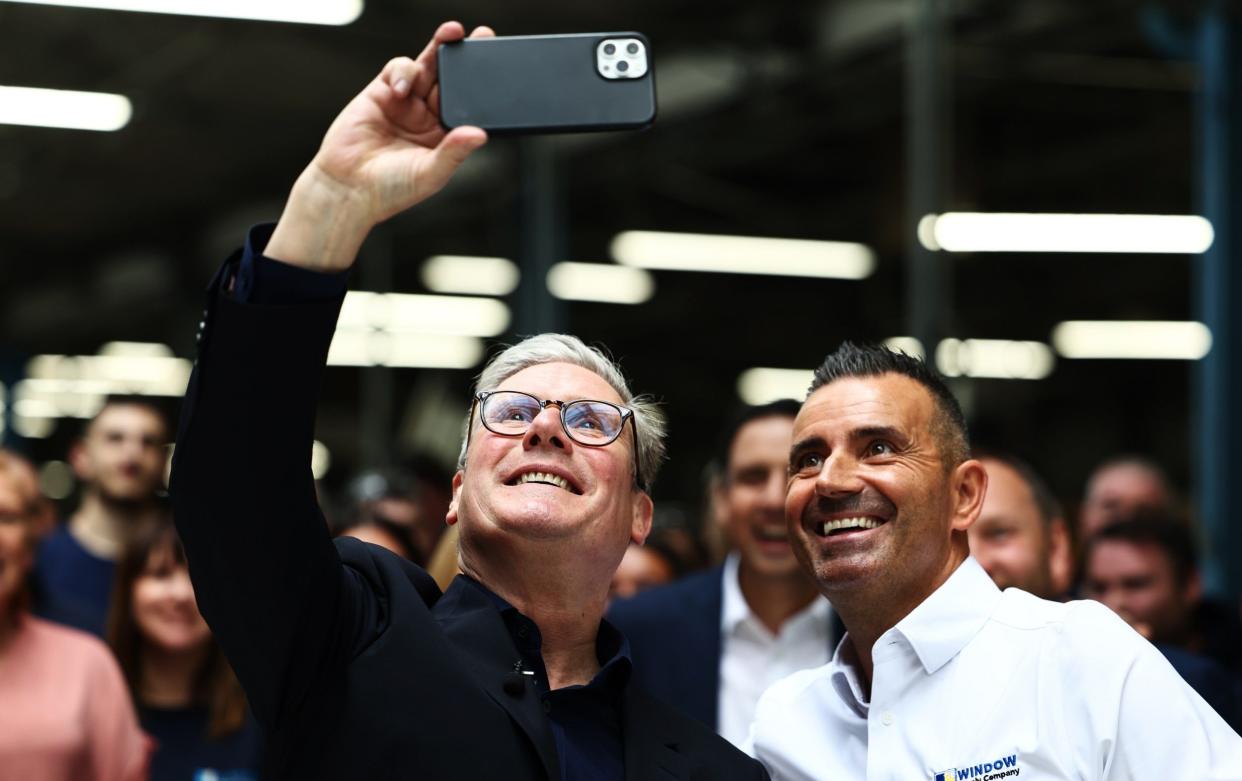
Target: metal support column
(542, 236)
(1217, 416)
(928, 107)
(376, 384)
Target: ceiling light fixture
(327, 12)
(61, 108)
(1084, 233)
(743, 255)
(600, 282)
(470, 275)
(1132, 339)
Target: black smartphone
(548, 83)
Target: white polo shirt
(976, 684)
(752, 658)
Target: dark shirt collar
(612, 649)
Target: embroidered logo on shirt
(1004, 767)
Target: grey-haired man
(355, 663)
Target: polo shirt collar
(946, 621)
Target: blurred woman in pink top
(65, 714)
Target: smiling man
(940, 674)
(354, 662)
(713, 642)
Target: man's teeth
(827, 527)
(544, 477)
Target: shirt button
(522, 631)
(547, 707)
(887, 718)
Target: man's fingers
(482, 31)
(399, 74)
(450, 153)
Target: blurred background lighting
(994, 358)
(906, 344)
(1135, 339)
(470, 275)
(602, 282)
(762, 385)
(321, 460)
(56, 480)
(64, 108)
(407, 350)
(329, 12)
(405, 312)
(1000, 232)
(743, 255)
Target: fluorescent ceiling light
(601, 282)
(403, 312)
(1131, 233)
(906, 344)
(330, 12)
(379, 348)
(470, 275)
(763, 385)
(743, 255)
(1166, 340)
(150, 374)
(64, 108)
(994, 358)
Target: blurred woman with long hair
(187, 696)
(65, 714)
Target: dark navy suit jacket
(674, 634)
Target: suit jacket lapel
(650, 754)
(475, 628)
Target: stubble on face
(865, 447)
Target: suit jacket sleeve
(267, 577)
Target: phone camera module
(621, 58)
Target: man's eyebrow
(803, 445)
(878, 432)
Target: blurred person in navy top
(355, 663)
(120, 462)
(187, 697)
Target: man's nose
(773, 496)
(838, 476)
(546, 427)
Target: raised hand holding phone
(385, 152)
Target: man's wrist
(322, 226)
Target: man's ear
(643, 509)
(1060, 556)
(969, 486)
(450, 517)
(716, 491)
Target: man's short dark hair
(1157, 529)
(781, 408)
(1045, 500)
(133, 400)
(873, 360)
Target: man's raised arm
(384, 153)
(266, 575)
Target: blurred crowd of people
(109, 671)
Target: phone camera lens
(623, 66)
(632, 48)
(610, 49)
